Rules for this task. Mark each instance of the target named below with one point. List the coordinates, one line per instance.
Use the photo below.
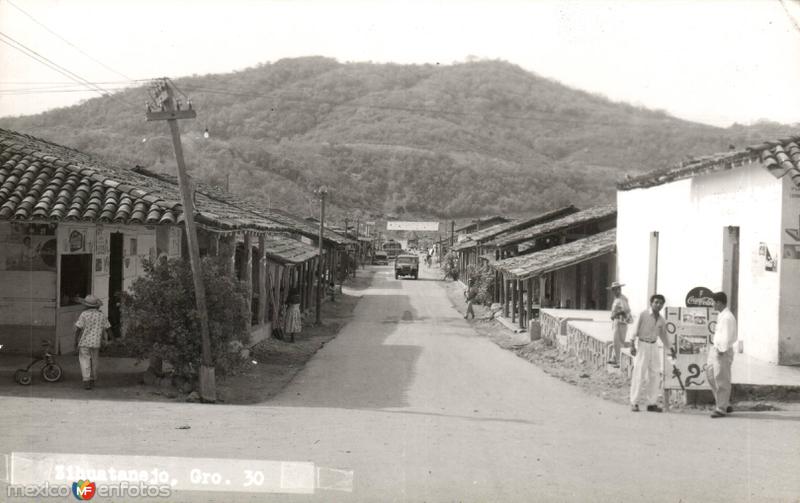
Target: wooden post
(505, 297)
(542, 284)
(513, 301)
(301, 283)
(171, 112)
(530, 300)
(522, 312)
(227, 252)
(248, 277)
(213, 244)
(262, 280)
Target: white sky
(710, 61)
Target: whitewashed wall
(690, 216)
(789, 267)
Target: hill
(409, 140)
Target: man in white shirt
(646, 381)
(720, 356)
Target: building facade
(729, 222)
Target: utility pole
(321, 285)
(452, 232)
(169, 109)
(358, 245)
(346, 254)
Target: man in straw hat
(620, 319)
(91, 332)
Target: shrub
(450, 265)
(482, 279)
(161, 318)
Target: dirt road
(419, 408)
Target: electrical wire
(19, 46)
(789, 15)
(15, 44)
(67, 41)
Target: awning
(558, 257)
(288, 250)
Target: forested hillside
(408, 140)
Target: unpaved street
(420, 408)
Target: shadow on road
(370, 372)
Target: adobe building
(727, 222)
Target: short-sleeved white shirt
(93, 322)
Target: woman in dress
(294, 323)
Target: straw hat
(615, 284)
(91, 301)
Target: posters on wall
(690, 329)
(791, 237)
(76, 240)
(27, 247)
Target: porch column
(530, 299)
(227, 252)
(513, 301)
(248, 276)
(213, 244)
(262, 280)
(541, 290)
(520, 286)
(505, 297)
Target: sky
(710, 61)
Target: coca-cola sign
(700, 296)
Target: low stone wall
(586, 347)
(551, 327)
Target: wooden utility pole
(170, 110)
(320, 280)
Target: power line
(47, 62)
(19, 46)
(789, 15)
(67, 41)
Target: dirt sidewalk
(613, 386)
(273, 364)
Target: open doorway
(115, 283)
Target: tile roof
(576, 219)
(43, 181)
(287, 249)
(558, 257)
(40, 180)
(496, 219)
(780, 158)
(477, 237)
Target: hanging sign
(412, 226)
(700, 296)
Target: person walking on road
(91, 332)
(720, 356)
(645, 383)
(620, 319)
(471, 293)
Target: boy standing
(91, 332)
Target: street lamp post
(322, 192)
